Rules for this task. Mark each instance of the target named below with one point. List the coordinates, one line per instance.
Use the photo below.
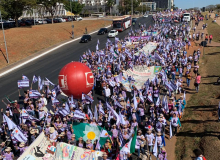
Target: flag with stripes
(35, 79)
(149, 97)
(173, 85)
(24, 77)
(121, 139)
(118, 104)
(167, 84)
(115, 54)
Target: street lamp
(4, 38)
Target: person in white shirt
(150, 141)
(43, 100)
(107, 93)
(53, 134)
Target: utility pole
(132, 7)
(4, 38)
(72, 19)
(34, 16)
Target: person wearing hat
(33, 135)
(159, 142)
(141, 142)
(21, 148)
(8, 155)
(72, 141)
(63, 137)
(43, 100)
(104, 156)
(150, 140)
(53, 134)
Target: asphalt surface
(50, 65)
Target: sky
(185, 4)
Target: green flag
(115, 54)
(9, 100)
(133, 142)
(92, 132)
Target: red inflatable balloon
(76, 78)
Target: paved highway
(50, 65)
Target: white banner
(23, 83)
(37, 149)
(140, 74)
(70, 152)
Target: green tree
(110, 4)
(128, 4)
(14, 8)
(76, 6)
(50, 5)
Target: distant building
(152, 5)
(166, 4)
(41, 12)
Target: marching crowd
(147, 109)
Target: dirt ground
(24, 41)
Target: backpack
(203, 158)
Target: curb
(35, 56)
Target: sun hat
(8, 149)
(32, 131)
(22, 144)
(51, 129)
(73, 135)
(158, 133)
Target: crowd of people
(154, 109)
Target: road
(50, 65)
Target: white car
(77, 18)
(145, 16)
(113, 33)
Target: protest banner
(37, 149)
(140, 74)
(23, 83)
(70, 152)
(149, 48)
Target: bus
(186, 17)
(122, 23)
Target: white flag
(96, 114)
(104, 134)
(171, 133)
(135, 102)
(24, 77)
(18, 135)
(122, 119)
(49, 81)
(126, 148)
(11, 124)
(155, 148)
(97, 47)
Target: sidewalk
(199, 29)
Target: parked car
(48, 20)
(77, 18)
(62, 19)
(85, 38)
(103, 31)
(113, 33)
